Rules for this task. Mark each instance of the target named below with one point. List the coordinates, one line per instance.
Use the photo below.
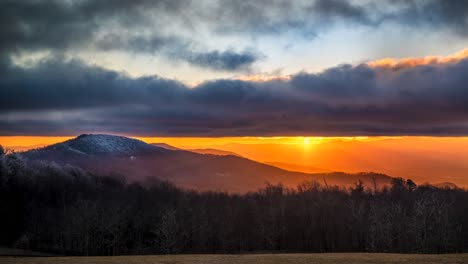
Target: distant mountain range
(296, 167)
(166, 146)
(198, 169)
(445, 185)
(198, 150)
(212, 151)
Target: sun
(306, 141)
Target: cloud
(176, 28)
(312, 17)
(435, 14)
(417, 96)
(180, 49)
(413, 62)
(263, 77)
(226, 60)
(57, 85)
(127, 26)
(57, 97)
(342, 9)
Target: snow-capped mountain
(107, 154)
(101, 144)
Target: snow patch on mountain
(92, 144)
(99, 144)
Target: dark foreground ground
(346, 258)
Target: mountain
(138, 160)
(445, 185)
(214, 152)
(295, 167)
(25, 148)
(432, 160)
(164, 145)
(211, 151)
(97, 144)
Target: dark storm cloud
(343, 9)
(59, 26)
(278, 16)
(53, 84)
(310, 17)
(446, 14)
(226, 60)
(57, 97)
(157, 27)
(180, 49)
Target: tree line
(65, 210)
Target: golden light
(413, 62)
(306, 141)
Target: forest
(65, 210)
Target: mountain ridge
(138, 160)
(99, 144)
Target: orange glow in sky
(424, 159)
(188, 142)
(412, 62)
(29, 141)
(264, 78)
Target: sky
(264, 68)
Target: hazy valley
(218, 170)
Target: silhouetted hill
(95, 145)
(166, 146)
(214, 152)
(211, 151)
(445, 185)
(138, 160)
(296, 167)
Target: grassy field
(4, 251)
(347, 258)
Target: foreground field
(348, 258)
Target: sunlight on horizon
(188, 142)
(417, 157)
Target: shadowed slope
(138, 160)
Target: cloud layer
(182, 30)
(146, 27)
(62, 95)
(57, 97)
